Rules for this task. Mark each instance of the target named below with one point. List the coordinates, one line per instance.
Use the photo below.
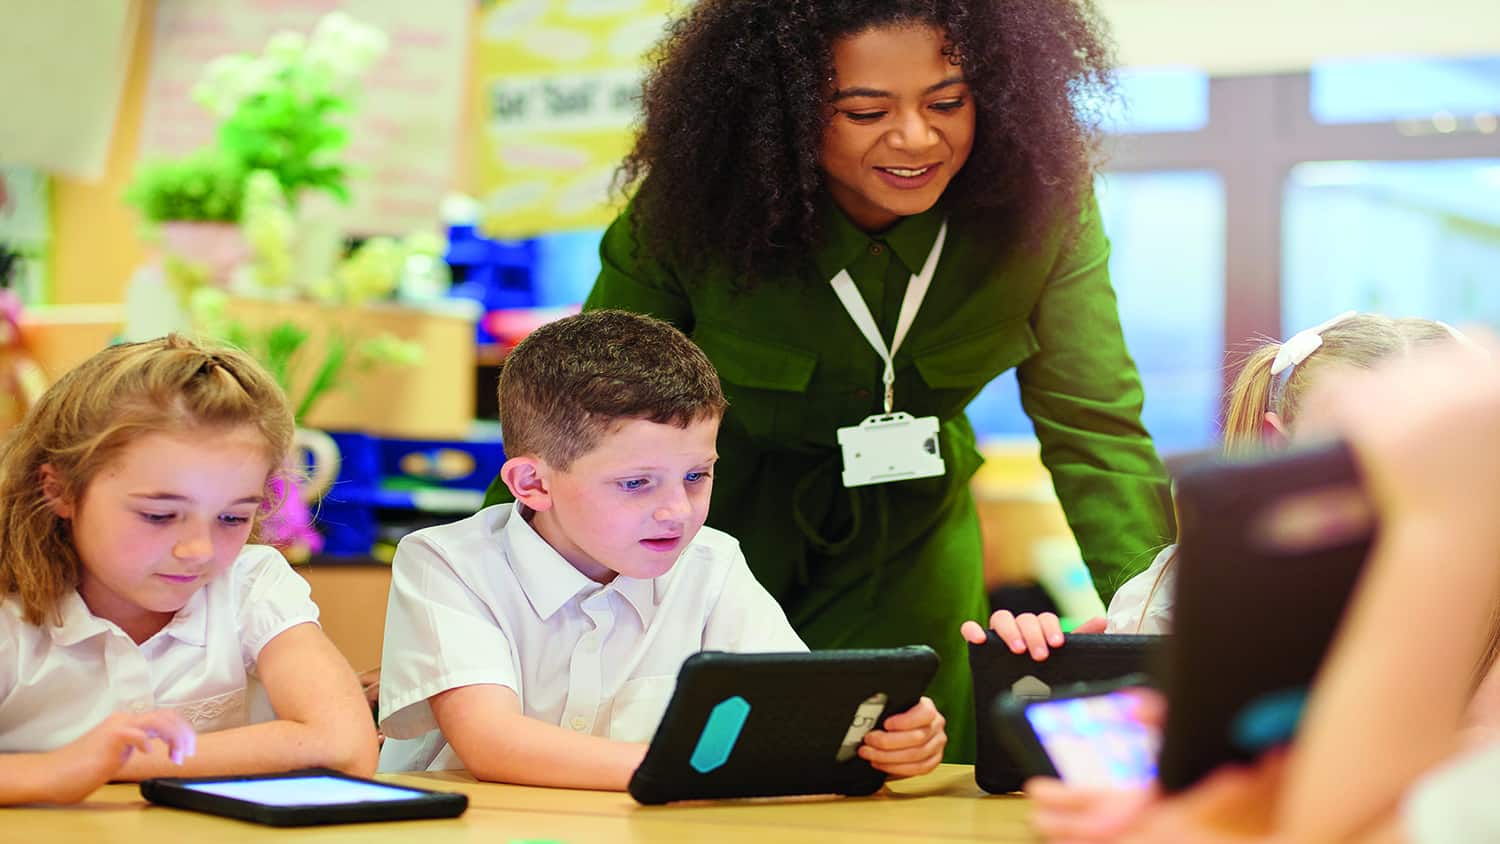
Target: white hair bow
(1296, 348)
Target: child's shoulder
(12, 617)
(713, 554)
(459, 537)
(717, 543)
(255, 560)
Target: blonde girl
(131, 607)
(1265, 406)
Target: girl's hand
(1233, 805)
(1067, 814)
(908, 744)
(95, 757)
(1027, 632)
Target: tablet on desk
(770, 725)
(302, 798)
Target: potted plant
(283, 110)
(194, 205)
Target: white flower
(286, 47)
(343, 49)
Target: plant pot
(217, 248)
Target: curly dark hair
(726, 162)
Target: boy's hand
(1027, 632)
(910, 743)
(96, 756)
(369, 682)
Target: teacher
(861, 208)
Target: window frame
(1259, 128)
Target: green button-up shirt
(795, 369)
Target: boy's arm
(498, 743)
(322, 721)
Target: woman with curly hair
(807, 165)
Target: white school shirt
(487, 601)
(1455, 804)
(58, 682)
(1142, 604)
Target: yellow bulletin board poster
(559, 87)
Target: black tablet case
(1083, 658)
(801, 706)
(167, 791)
(1249, 621)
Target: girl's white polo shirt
(487, 600)
(1143, 604)
(1455, 802)
(58, 682)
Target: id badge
(890, 447)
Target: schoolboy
(539, 642)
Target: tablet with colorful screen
(302, 798)
(1000, 674)
(1088, 736)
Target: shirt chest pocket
(765, 382)
(969, 362)
(639, 706)
(218, 712)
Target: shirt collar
(550, 581)
(78, 624)
(843, 242)
(912, 237)
(639, 594)
(189, 625)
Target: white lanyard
(916, 291)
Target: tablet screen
(1096, 740)
(305, 791)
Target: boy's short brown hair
(571, 380)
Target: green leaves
(205, 186)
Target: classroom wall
(95, 239)
(1229, 37)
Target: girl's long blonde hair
(88, 417)
(1359, 340)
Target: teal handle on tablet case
(719, 734)
(1269, 720)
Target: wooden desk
(940, 807)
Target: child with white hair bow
(1265, 411)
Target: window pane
(1404, 238)
(1385, 90)
(1167, 264)
(1159, 100)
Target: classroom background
(1267, 165)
